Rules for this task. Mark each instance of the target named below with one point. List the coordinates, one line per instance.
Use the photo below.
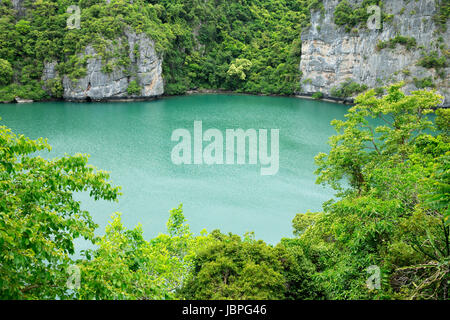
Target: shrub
(348, 89)
(408, 42)
(226, 266)
(133, 88)
(32, 90)
(317, 95)
(424, 83)
(379, 91)
(6, 72)
(432, 60)
(55, 87)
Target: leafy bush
(432, 60)
(133, 88)
(228, 267)
(6, 72)
(126, 266)
(408, 42)
(316, 5)
(55, 87)
(379, 91)
(317, 95)
(424, 83)
(32, 90)
(347, 89)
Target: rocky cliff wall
(331, 56)
(19, 7)
(98, 84)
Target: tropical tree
(126, 266)
(6, 72)
(39, 217)
(231, 268)
(392, 201)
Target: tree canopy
(39, 218)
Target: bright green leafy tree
(126, 266)
(6, 72)
(390, 173)
(39, 218)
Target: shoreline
(295, 95)
(306, 96)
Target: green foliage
(200, 41)
(55, 87)
(6, 72)
(316, 5)
(388, 162)
(439, 195)
(349, 156)
(126, 266)
(348, 89)
(228, 267)
(211, 36)
(443, 120)
(379, 91)
(133, 88)
(409, 42)
(31, 90)
(317, 95)
(302, 222)
(349, 17)
(391, 211)
(392, 207)
(41, 35)
(433, 60)
(39, 218)
(424, 83)
(238, 68)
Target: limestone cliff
(19, 7)
(99, 83)
(330, 55)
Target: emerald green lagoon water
(133, 141)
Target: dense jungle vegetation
(391, 211)
(251, 46)
(205, 44)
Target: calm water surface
(133, 142)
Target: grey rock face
(49, 71)
(330, 56)
(97, 85)
(19, 6)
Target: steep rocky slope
(99, 84)
(331, 55)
